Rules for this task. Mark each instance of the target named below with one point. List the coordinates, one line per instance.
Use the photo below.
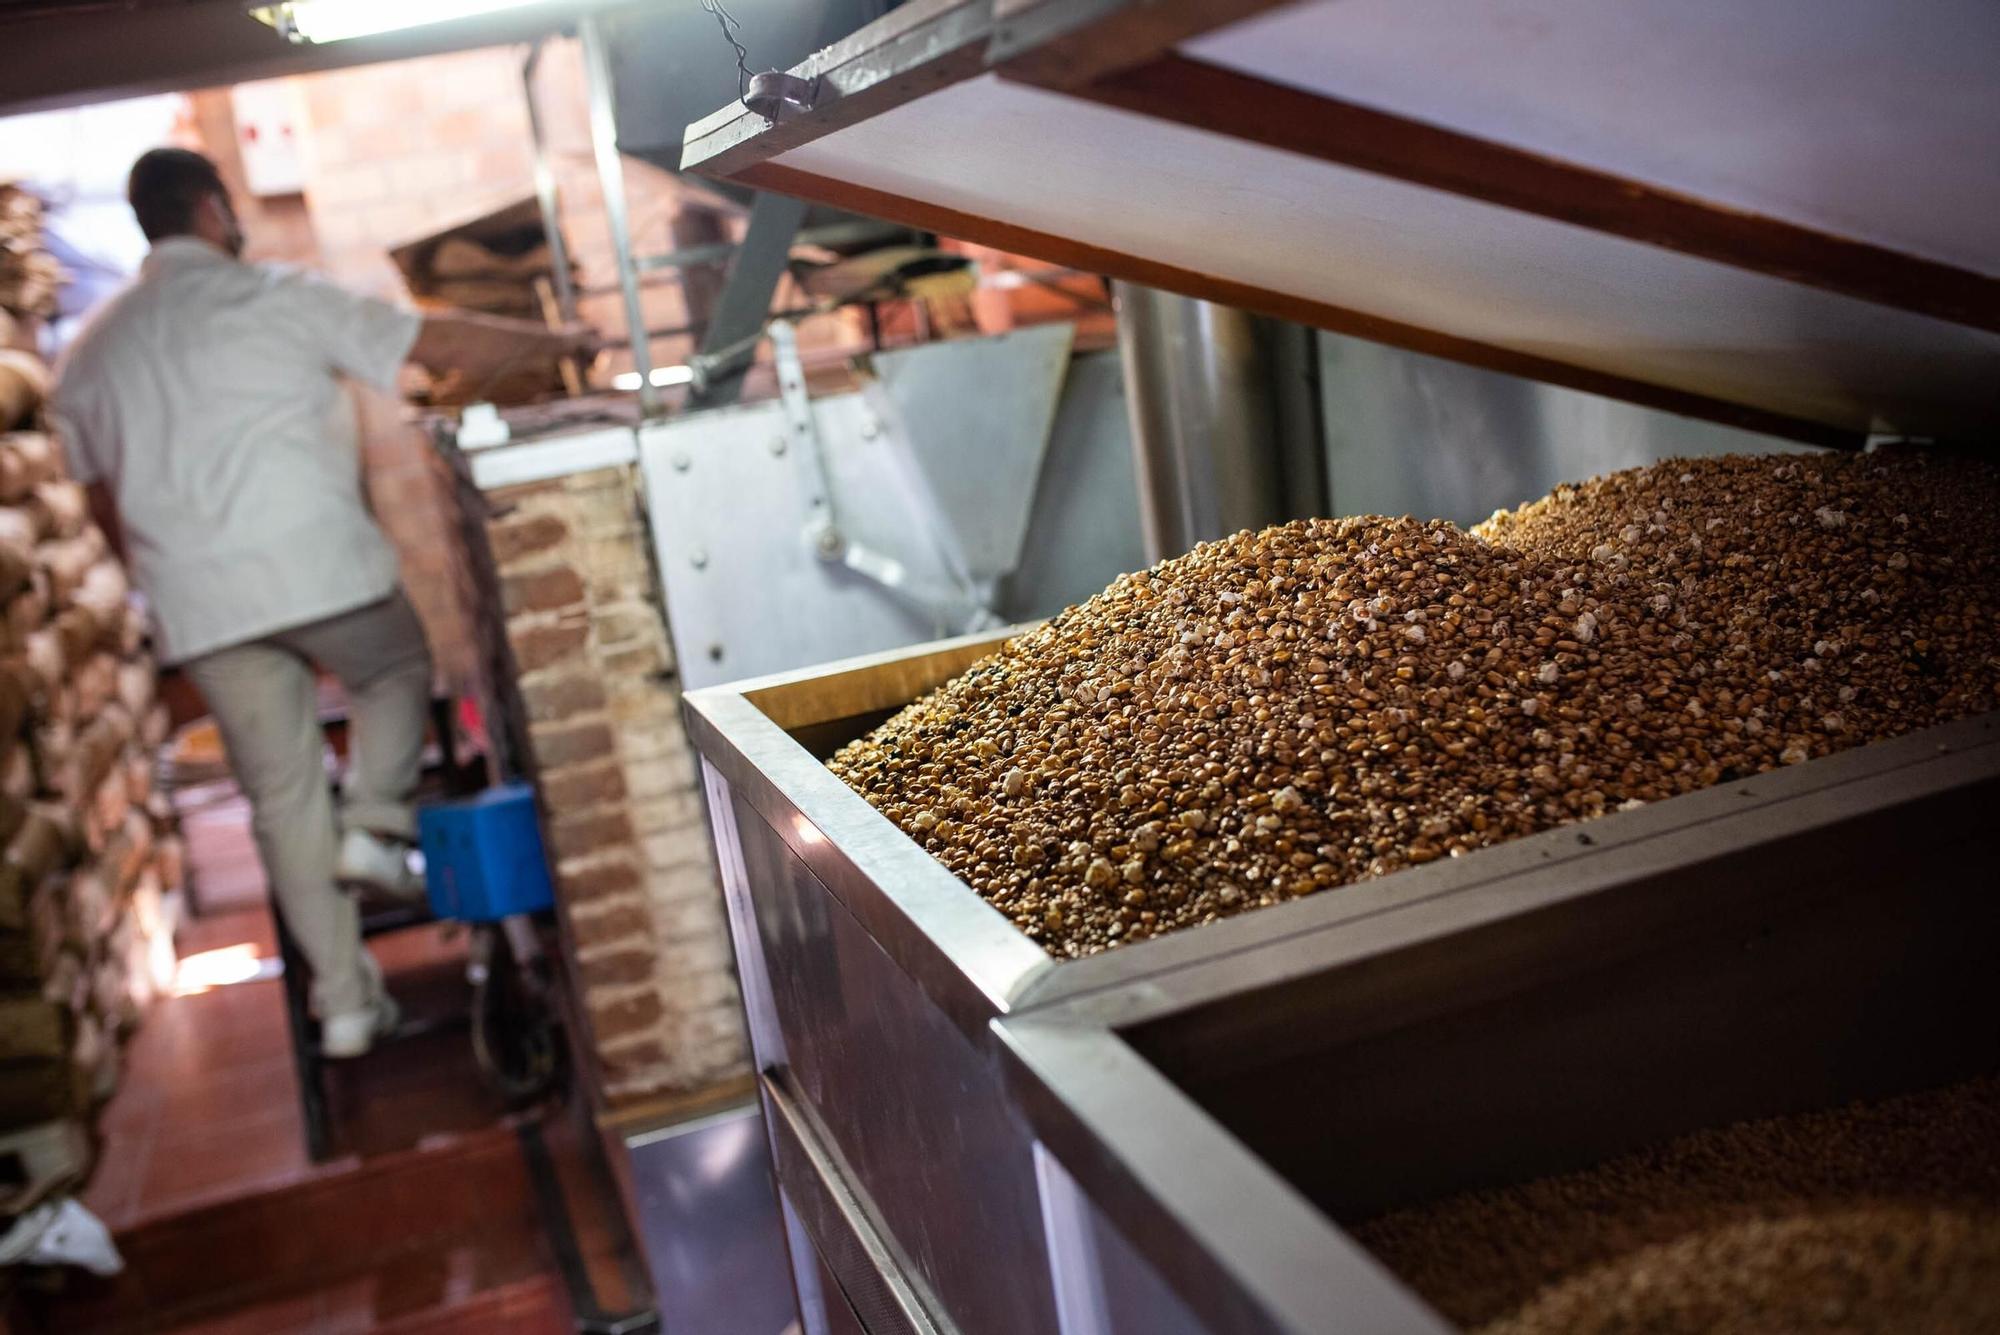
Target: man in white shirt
(203, 406)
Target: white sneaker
(386, 866)
(352, 1033)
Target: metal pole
(1205, 443)
(545, 191)
(611, 177)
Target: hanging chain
(730, 27)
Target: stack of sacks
(29, 275)
(90, 866)
(498, 264)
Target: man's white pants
(265, 702)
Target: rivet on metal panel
(715, 653)
(778, 445)
(682, 462)
(698, 558)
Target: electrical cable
(730, 28)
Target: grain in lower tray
(1285, 712)
(1880, 1217)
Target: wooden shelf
(1780, 217)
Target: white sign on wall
(267, 137)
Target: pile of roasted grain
(1283, 712)
(1880, 1218)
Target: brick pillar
(619, 784)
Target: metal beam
(611, 176)
(730, 344)
(545, 190)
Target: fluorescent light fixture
(339, 20)
(662, 376)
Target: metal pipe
(545, 190)
(611, 177)
(1205, 439)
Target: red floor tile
(304, 1314)
(199, 1164)
(217, 931)
(183, 1040)
(348, 1308)
(252, 1086)
(534, 1307)
(112, 1193)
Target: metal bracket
(801, 430)
(951, 606)
(778, 96)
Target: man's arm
(484, 346)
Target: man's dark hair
(166, 186)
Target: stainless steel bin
(970, 1135)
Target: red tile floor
(424, 1223)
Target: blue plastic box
(483, 856)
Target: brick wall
(619, 784)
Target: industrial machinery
(965, 484)
(1629, 200)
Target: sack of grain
(68, 560)
(129, 635)
(90, 903)
(170, 862)
(46, 656)
(67, 983)
(32, 1027)
(138, 686)
(15, 573)
(107, 810)
(157, 727)
(27, 460)
(16, 898)
(59, 509)
(20, 686)
(17, 774)
(104, 589)
(28, 609)
(96, 752)
(94, 683)
(19, 533)
(136, 771)
(48, 841)
(24, 386)
(127, 855)
(81, 632)
(13, 815)
(43, 1090)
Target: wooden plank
(1139, 269)
(1070, 43)
(1209, 97)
